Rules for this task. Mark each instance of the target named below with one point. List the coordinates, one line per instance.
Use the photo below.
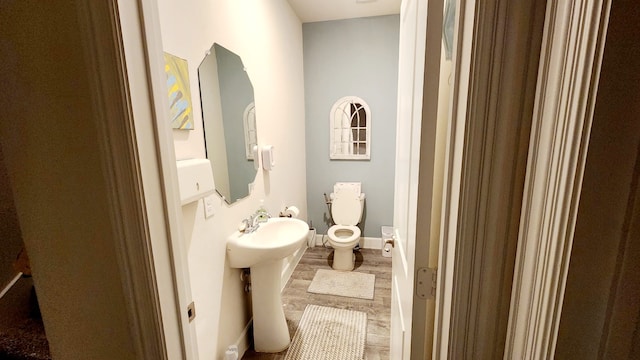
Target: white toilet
(347, 204)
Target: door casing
(584, 73)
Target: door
(411, 63)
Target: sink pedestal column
(270, 331)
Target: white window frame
(336, 125)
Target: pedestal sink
(262, 251)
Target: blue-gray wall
(352, 57)
(236, 92)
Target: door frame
(496, 58)
(553, 177)
(573, 46)
(138, 155)
(481, 201)
(422, 308)
(140, 23)
(565, 94)
(420, 139)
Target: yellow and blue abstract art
(180, 111)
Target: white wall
(268, 37)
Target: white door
(411, 63)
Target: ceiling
(324, 10)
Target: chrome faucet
(248, 225)
(252, 223)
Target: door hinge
(426, 279)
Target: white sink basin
(273, 240)
(262, 251)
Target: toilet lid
(346, 209)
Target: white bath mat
(327, 333)
(343, 283)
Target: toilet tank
(355, 187)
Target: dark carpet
(22, 334)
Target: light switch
(208, 206)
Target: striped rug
(327, 333)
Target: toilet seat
(347, 206)
(349, 241)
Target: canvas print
(180, 110)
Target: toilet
(347, 204)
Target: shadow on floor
(357, 262)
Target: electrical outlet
(208, 206)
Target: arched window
(350, 129)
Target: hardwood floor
(295, 298)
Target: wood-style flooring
(295, 298)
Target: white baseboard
(243, 341)
(371, 243)
(365, 242)
(319, 239)
(10, 284)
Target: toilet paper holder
(388, 240)
(290, 211)
(387, 246)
